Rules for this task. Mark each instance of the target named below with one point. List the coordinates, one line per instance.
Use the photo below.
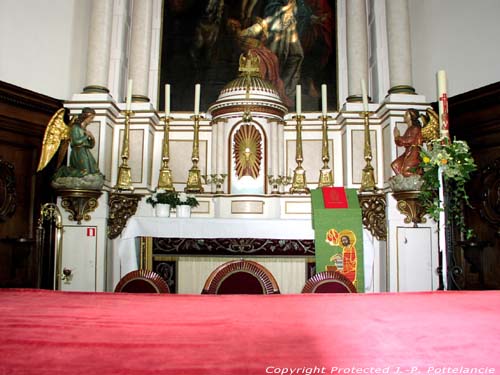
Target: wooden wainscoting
(475, 118)
(23, 117)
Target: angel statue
(82, 171)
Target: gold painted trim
(374, 153)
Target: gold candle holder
(165, 175)
(193, 184)
(274, 182)
(124, 180)
(218, 180)
(325, 173)
(299, 184)
(367, 178)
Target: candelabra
(218, 180)
(274, 182)
(165, 176)
(299, 174)
(285, 181)
(325, 173)
(124, 181)
(367, 178)
(194, 178)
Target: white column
(357, 48)
(398, 30)
(140, 48)
(274, 146)
(220, 148)
(213, 155)
(281, 149)
(99, 45)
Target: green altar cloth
(339, 237)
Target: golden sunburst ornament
(247, 151)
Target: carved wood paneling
(475, 118)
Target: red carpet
(45, 332)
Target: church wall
(459, 36)
(43, 44)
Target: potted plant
(163, 201)
(456, 164)
(184, 204)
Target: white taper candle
(167, 100)
(298, 100)
(324, 102)
(129, 95)
(197, 99)
(365, 95)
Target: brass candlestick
(194, 178)
(218, 180)
(124, 181)
(165, 176)
(325, 173)
(299, 174)
(367, 178)
(274, 182)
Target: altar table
(53, 332)
(126, 249)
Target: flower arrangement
(456, 163)
(187, 199)
(161, 196)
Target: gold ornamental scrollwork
(121, 208)
(410, 206)
(79, 203)
(373, 207)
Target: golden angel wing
(56, 132)
(430, 129)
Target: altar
(284, 234)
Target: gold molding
(79, 203)
(373, 207)
(121, 207)
(410, 206)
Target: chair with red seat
(142, 281)
(241, 277)
(329, 282)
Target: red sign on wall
(91, 232)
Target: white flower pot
(183, 210)
(162, 210)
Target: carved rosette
(121, 208)
(8, 196)
(410, 206)
(373, 211)
(79, 203)
(490, 194)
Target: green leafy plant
(456, 163)
(161, 196)
(187, 199)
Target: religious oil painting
(295, 40)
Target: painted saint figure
(347, 262)
(407, 164)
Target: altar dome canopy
(249, 90)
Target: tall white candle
(324, 101)
(197, 99)
(167, 100)
(129, 95)
(298, 105)
(443, 103)
(365, 95)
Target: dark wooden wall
(23, 117)
(475, 118)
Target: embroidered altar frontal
(338, 233)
